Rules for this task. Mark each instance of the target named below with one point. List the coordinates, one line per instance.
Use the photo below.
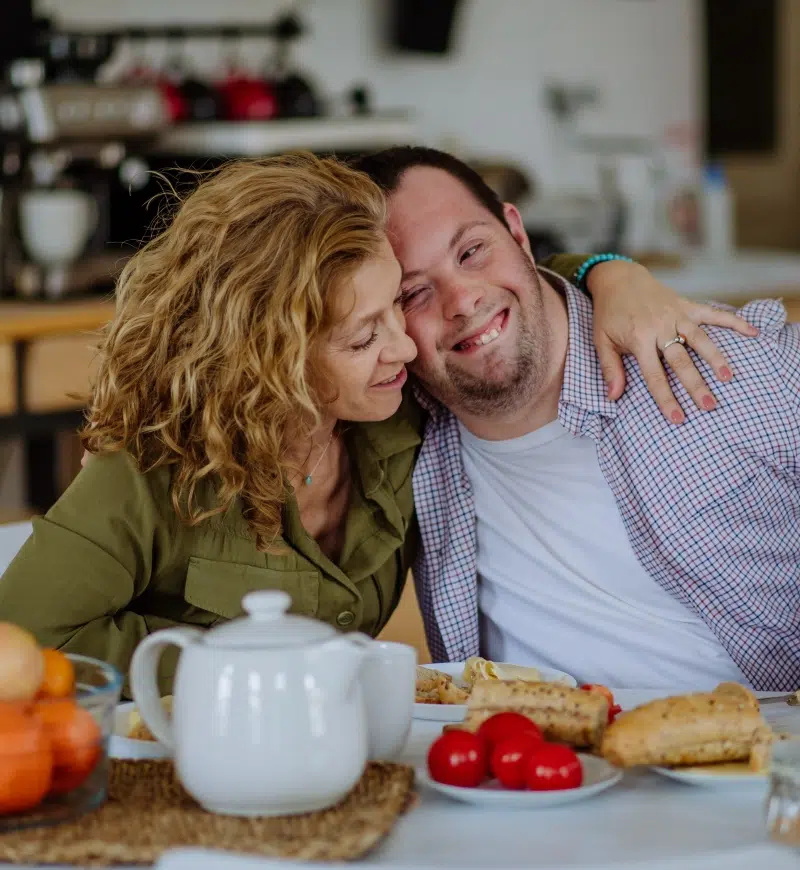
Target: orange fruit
(21, 663)
(59, 675)
(76, 740)
(26, 759)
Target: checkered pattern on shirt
(711, 508)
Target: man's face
(472, 297)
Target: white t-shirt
(559, 584)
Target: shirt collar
(400, 432)
(583, 388)
(583, 391)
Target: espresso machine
(63, 146)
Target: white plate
(709, 779)
(456, 712)
(598, 775)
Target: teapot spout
(337, 662)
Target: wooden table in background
(47, 353)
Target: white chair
(12, 537)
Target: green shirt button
(346, 617)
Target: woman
(248, 423)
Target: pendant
(308, 480)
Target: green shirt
(111, 561)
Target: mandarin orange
(26, 759)
(76, 739)
(59, 675)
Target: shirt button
(345, 618)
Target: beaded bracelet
(586, 266)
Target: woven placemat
(148, 812)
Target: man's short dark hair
(386, 168)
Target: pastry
(137, 730)
(477, 668)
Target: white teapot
(268, 715)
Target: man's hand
(637, 314)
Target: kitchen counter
(745, 275)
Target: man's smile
(489, 333)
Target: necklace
(309, 479)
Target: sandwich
(564, 714)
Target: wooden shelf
(259, 138)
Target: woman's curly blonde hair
(209, 363)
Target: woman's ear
(517, 227)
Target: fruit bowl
(54, 750)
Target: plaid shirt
(711, 507)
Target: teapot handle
(144, 685)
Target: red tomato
(602, 690)
(553, 767)
(613, 711)
(502, 725)
(509, 759)
(458, 758)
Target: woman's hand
(637, 314)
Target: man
(561, 528)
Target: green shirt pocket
(219, 587)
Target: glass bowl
(78, 729)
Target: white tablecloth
(645, 821)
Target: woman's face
(365, 354)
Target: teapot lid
(267, 625)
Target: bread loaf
(701, 728)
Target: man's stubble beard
(460, 391)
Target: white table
(645, 821)
(642, 817)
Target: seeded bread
(700, 728)
(564, 714)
